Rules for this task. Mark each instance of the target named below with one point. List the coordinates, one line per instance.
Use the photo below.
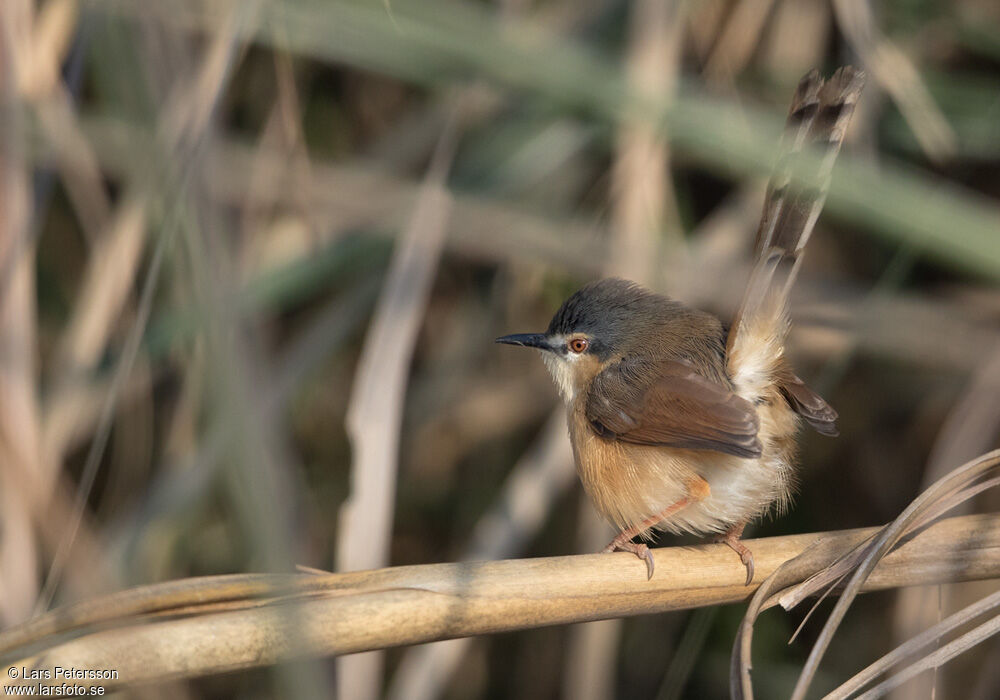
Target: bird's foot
(732, 540)
(637, 548)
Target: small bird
(678, 422)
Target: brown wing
(666, 402)
(807, 403)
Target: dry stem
(233, 622)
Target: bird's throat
(563, 375)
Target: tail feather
(807, 403)
(817, 121)
(801, 117)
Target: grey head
(613, 316)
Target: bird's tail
(817, 122)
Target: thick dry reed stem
(225, 623)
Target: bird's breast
(624, 480)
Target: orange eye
(578, 345)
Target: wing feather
(666, 402)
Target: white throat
(560, 367)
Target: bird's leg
(697, 491)
(732, 539)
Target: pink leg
(622, 543)
(732, 539)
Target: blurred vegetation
(213, 193)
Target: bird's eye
(578, 345)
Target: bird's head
(600, 323)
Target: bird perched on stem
(678, 423)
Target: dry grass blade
(77, 164)
(897, 76)
(375, 410)
(19, 420)
(958, 480)
(796, 37)
(948, 497)
(534, 482)
(644, 202)
(51, 37)
(42, 86)
(740, 662)
(592, 658)
(212, 625)
(937, 658)
(932, 635)
(689, 649)
(105, 290)
(282, 134)
(118, 607)
(972, 424)
(970, 428)
(739, 38)
(864, 557)
(538, 478)
(186, 121)
(824, 578)
(831, 576)
(382, 373)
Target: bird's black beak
(528, 340)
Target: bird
(677, 421)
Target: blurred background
(253, 257)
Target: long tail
(817, 122)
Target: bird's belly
(630, 483)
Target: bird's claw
(747, 560)
(746, 556)
(637, 548)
